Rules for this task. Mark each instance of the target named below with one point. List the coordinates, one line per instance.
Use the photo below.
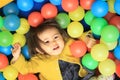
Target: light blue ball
(117, 7)
(117, 52)
(99, 8)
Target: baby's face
(52, 41)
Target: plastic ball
(116, 7)
(111, 5)
(24, 26)
(63, 19)
(10, 73)
(110, 45)
(6, 50)
(117, 52)
(109, 33)
(99, 52)
(86, 4)
(75, 29)
(19, 38)
(97, 25)
(89, 17)
(11, 25)
(115, 20)
(38, 0)
(118, 70)
(111, 56)
(35, 18)
(49, 10)
(29, 76)
(1, 22)
(69, 5)
(1, 76)
(77, 14)
(25, 52)
(107, 67)
(56, 2)
(109, 15)
(3, 61)
(11, 8)
(89, 62)
(25, 5)
(78, 48)
(6, 38)
(101, 10)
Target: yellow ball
(77, 14)
(107, 67)
(10, 73)
(75, 29)
(111, 5)
(19, 38)
(99, 52)
(110, 45)
(24, 26)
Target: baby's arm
(16, 51)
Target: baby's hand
(16, 51)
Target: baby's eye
(56, 37)
(46, 41)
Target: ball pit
(101, 16)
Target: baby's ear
(39, 51)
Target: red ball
(28, 76)
(78, 48)
(3, 61)
(115, 20)
(86, 4)
(109, 15)
(35, 18)
(111, 56)
(49, 10)
(70, 5)
(118, 70)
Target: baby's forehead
(49, 32)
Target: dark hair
(32, 35)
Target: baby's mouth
(57, 47)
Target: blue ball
(25, 52)
(12, 22)
(39, 0)
(1, 76)
(56, 2)
(99, 8)
(117, 7)
(117, 52)
(11, 9)
(25, 5)
(6, 50)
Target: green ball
(89, 17)
(97, 25)
(6, 38)
(110, 33)
(1, 22)
(63, 19)
(89, 62)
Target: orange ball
(69, 5)
(3, 61)
(29, 76)
(35, 18)
(86, 4)
(78, 48)
(118, 70)
(49, 11)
